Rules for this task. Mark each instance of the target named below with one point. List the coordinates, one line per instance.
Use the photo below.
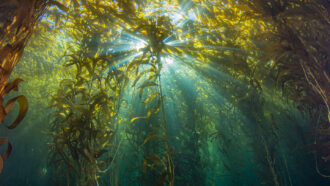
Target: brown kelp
(18, 20)
(299, 49)
(5, 109)
(81, 134)
(83, 126)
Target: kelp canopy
(177, 92)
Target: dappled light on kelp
(176, 92)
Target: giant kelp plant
(166, 92)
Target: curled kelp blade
(23, 107)
(7, 153)
(9, 87)
(12, 85)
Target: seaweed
(171, 92)
(299, 49)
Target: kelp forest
(164, 92)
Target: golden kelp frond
(20, 99)
(23, 107)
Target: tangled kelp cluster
(299, 49)
(183, 92)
